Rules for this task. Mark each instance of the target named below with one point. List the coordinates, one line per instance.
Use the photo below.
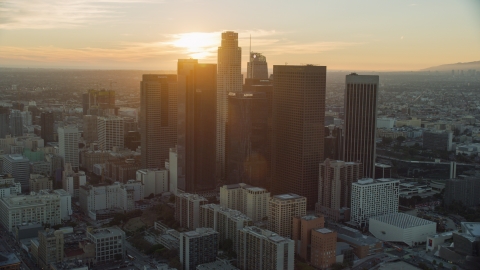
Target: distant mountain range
(456, 66)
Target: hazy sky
(153, 34)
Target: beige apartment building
(252, 201)
(282, 209)
(261, 249)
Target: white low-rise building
(8, 186)
(123, 196)
(65, 203)
(155, 180)
(42, 207)
(400, 227)
(435, 240)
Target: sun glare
(197, 45)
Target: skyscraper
(4, 125)
(68, 145)
(196, 144)
(110, 132)
(47, 121)
(229, 79)
(257, 68)
(361, 121)
(335, 188)
(298, 128)
(247, 152)
(16, 123)
(158, 118)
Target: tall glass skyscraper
(298, 129)
(229, 79)
(196, 143)
(158, 118)
(361, 95)
(248, 139)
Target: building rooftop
(289, 196)
(192, 197)
(200, 232)
(309, 217)
(29, 226)
(217, 265)
(472, 228)
(8, 259)
(324, 230)
(107, 232)
(402, 220)
(369, 181)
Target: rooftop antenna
(250, 43)
(250, 57)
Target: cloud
(45, 14)
(200, 45)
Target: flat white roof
(402, 220)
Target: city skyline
(111, 34)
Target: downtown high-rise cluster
(266, 131)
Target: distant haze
(457, 66)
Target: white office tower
(71, 181)
(252, 201)
(110, 132)
(225, 221)
(42, 207)
(68, 145)
(264, 250)
(65, 203)
(372, 198)
(17, 166)
(154, 180)
(187, 210)
(281, 211)
(229, 79)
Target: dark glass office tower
(257, 68)
(158, 118)
(298, 121)
(361, 121)
(47, 121)
(4, 125)
(248, 137)
(196, 146)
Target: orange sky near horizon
(369, 35)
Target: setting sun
(197, 45)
